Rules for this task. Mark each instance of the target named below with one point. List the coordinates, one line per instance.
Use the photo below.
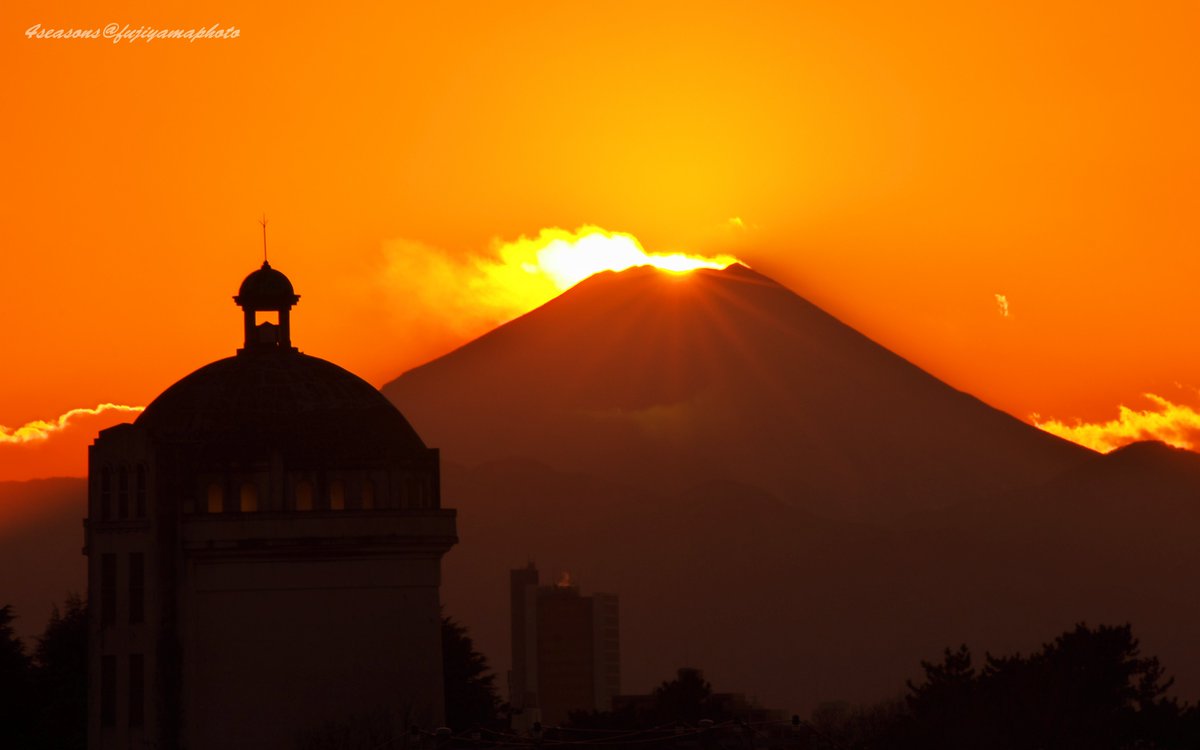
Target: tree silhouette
(685, 698)
(469, 686)
(1088, 689)
(15, 681)
(43, 700)
(946, 699)
(60, 677)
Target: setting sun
(570, 257)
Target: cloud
(1171, 423)
(467, 294)
(39, 430)
(1002, 303)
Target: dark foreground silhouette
(1091, 688)
(1088, 689)
(43, 696)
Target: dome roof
(310, 411)
(266, 288)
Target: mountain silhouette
(780, 500)
(666, 380)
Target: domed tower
(264, 549)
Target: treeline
(1089, 689)
(43, 694)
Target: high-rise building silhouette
(566, 653)
(264, 549)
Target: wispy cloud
(1002, 303)
(39, 430)
(1171, 423)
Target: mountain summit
(667, 380)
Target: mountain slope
(668, 380)
(799, 609)
(769, 599)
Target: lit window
(216, 499)
(249, 498)
(304, 495)
(337, 495)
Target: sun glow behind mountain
(570, 257)
(435, 296)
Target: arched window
(106, 508)
(248, 498)
(216, 498)
(416, 491)
(139, 502)
(123, 492)
(408, 493)
(304, 495)
(337, 495)
(368, 495)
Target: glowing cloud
(1002, 303)
(1171, 423)
(472, 293)
(570, 257)
(39, 430)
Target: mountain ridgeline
(782, 501)
(665, 381)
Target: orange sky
(898, 164)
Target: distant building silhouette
(264, 549)
(566, 653)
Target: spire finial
(263, 221)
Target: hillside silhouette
(798, 609)
(780, 499)
(665, 381)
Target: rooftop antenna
(263, 221)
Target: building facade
(566, 649)
(264, 552)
